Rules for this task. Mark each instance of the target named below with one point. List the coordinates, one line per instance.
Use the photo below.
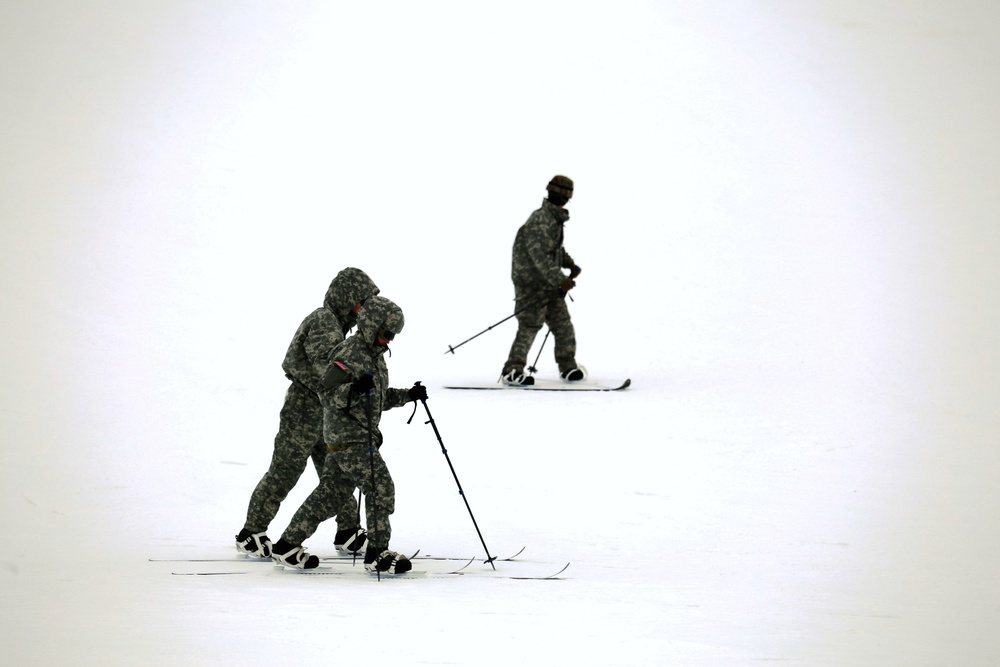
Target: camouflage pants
(552, 312)
(344, 471)
(299, 438)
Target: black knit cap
(561, 185)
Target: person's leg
(529, 323)
(316, 508)
(350, 535)
(561, 325)
(300, 425)
(357, 464)
(367, 470)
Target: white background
(786, 217)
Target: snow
(785, 215)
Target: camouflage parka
(345, 419)
(323, 329)
(538, 254)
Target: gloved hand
(418, 392)
(566, 286)
(364, 384)
(575, 271)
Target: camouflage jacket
(538, 256)
(323, 329)
(345, 417)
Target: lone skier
(540, 286)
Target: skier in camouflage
(357, 393)
(540, 286)
(300, 428)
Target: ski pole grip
(413, 414)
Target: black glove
(418, 392)
(566, 286)
(575, 271)
(364, 384)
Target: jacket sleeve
(567, 261)
(319, 342)
(395, 398)
(340, 369)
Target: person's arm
(538, 248)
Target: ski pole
(430, 420)
(371, 465)
(452, 348)
(531, 368)
(354, 559)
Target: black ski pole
(452, 348)
(430, 420)
(371, 464)
(531, 369)
(354, 559)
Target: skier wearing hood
(357, 393)
(540, 286)
(300, 428)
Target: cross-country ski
(545, 385)
(539, 572)
(323, 559)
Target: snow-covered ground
(786, 216)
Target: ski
(319, 570)
(488, 560)
(412, 574)
(331, 570)
(430, 567)
(458, 570)
(420, 574)
(233, 559)
(554, 575)
(324, 559)
(341, 559)
(546, 385)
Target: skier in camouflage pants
(540, 286)
(300, 429)
(358, 392)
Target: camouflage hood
(560, 214)
(347, 419)
(380, 315)
(349, 287)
